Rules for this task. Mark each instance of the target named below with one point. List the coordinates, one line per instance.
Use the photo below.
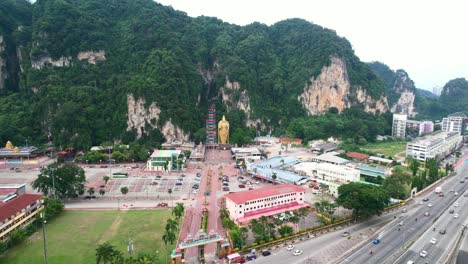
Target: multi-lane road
(416, 229)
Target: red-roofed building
(357, 156)
(248, 205)
(18, 212)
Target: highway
(324, 248)
(396, 239)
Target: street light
(42, 216)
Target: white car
(421, 202)
(290, 247)
(195, 191)
(423, 253)
(401, 223)
(429, 205)
(297, 252)
(455, 204)
(455, 216)
(433, 240)
(455, 194)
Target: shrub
(17, 237)
(254, 244)
(262, 242)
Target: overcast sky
(428, 39)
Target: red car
(241, 185)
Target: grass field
(74, 236)
(388, 148)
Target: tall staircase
(211, 131)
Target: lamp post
(42, 215)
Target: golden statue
(9, 145)
(16, 150)
(223, 131)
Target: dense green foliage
(60, 180)
(454, 96)
(353, 124)
(364, 199)
(161, 55)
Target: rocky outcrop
(234, 97)
(173, 133)
(92, 56)
(404, 86)
(331, 88)
(138, 117)
(371, 105)
(2, 64)
(47, 60)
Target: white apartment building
(248, 205)
(433, 146)
(329, 172)
(399, 126)
(454, 123)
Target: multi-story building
(17, 211)
(328, 171)
(248, 205)
(434, 146)
(399, 126)
(426, 127)
(162, 158)
(455, 122)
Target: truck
(438, 189)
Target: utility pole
(44, 237)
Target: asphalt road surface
(395, 239)
(325, 248)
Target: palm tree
(106, 178)
(179, 163)
(102, 192)
(295, 220)
(169, 191)
(274, 176)
(104, 253)
(169, 237)
(91, 191)
(124, 190)
(171, 225)
(223, 213)
(178, 211)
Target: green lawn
(389, 148)
(74, 236)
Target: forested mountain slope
(80, 72)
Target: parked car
(297, 252)
(442, 231)
(455, 193)
(455, 205)
(178, 183)
(345, 234)
(426, 199)
(290, 247)
(451, 211)
(376, 241)
(226, 189)
(429, 205)
(198, 175)
(427, 214)
(456, 216)
(433, 240)
(251, 256)
(266, 253)
(241, 185)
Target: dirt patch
(112, 230)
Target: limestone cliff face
(331, 88)
(138, 117)
(92, 56)
(371, 105)
(235, 98)
(2, 64)
(39, 63)
(404, 86)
